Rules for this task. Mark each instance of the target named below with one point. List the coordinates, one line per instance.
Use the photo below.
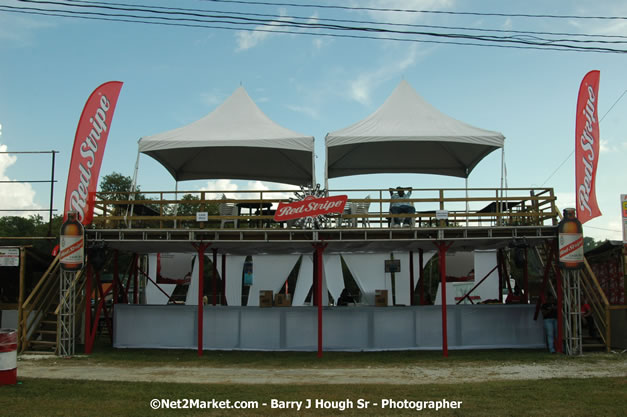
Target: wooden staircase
(590, 290)
(38, 324)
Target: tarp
(235, 141)
(408, 135)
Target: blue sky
(313, 85)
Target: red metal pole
(411, 278)
(442, 247)
(116, 277)
(560, 315)
(88, 339)
(214, 278)
(319, 249)
(201, 273)
(224, 280)
(421, 277)
(136, 282)
(526, 276)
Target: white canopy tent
(235, 141)
(408, 135)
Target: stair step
(54, 332)
(36, 352)
(43, 342)
(49, 322)
(593, 345)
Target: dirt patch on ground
(429, 374)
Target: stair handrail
(49, 272)
(37, 296)
(601, 318)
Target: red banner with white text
(587, 147)
(89, 145)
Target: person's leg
(549, 331)
(409, 210)
(395, 210)
(592, 331)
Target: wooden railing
(599, 304)
(482, 207)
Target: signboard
(202, 216)
(623, 202)
(310, 207)
(392, 265)
(441, 214)
(9, 257)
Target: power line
(491, 40)
(275, 16)
(376, 9)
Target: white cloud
(402, 17)
(19, 30)
(508, 24)
(250, 39)
(248, 190)
(14, 195)
(362, 86)
(308, 111)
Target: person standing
(400, 207)
(549, 315)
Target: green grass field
(555, 397)
(548, 397)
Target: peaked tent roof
(408, 135)
(235, 141)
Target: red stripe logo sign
(89, 145)
(587, 147)
(310, 207)
(571, 247)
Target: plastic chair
(361, 208)
(227, 209)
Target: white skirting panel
(344, 328)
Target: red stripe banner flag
(89, 145)
(587, 147)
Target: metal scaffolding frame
(572, 312)
(66, 326)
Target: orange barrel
(8, 357)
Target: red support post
(442, 248)
(499, 264)
(318, 264)
(526, 276)
(560, 313)
(88, 339)
(421, 277)
(136, 281)
(201, 273)
(116, 277)
(411, 278)
(224, 302)
(214, 277)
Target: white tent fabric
(304, 281)
(269, 273)
(235, 141)
(408, 135)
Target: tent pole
(502, 176)
(176, 197)
(326, 167)
(466, 181)
(313, 169)
(133, 189)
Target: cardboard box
(265, 298)
(381, 298)
(283, 300)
